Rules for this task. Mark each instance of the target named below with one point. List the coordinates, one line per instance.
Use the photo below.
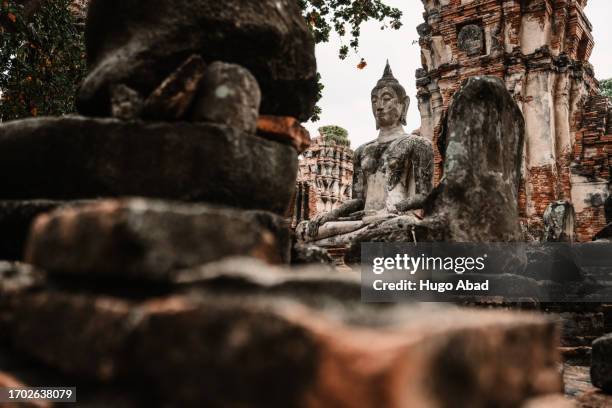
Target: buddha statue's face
(388, 108)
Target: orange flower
(12, 17)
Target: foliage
(316, 113)
(606, 87)
(336, 134)
(42, 60)
(346, 16)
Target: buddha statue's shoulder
(361, 149)
(412, 142)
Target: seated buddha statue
(392, 174)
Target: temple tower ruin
(325, 178)
(541, 49)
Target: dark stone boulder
(133, 43)
(478, 196)
(149, 240)
(601, 363)
(75, 158)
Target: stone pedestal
(78, 158)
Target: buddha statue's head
(389, 101)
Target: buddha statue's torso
(387, 182)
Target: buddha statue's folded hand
(413, 203)
(312, 229)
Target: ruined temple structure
(541, 49)
(325, 177)
(154, 251)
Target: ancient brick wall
(540, 48)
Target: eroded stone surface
(99, 322)
(229, 95)
(126, 103)
(243, 275)
(579, 388)
(150, 240)
(75, 157)
(15, 219)
(559, 222)
(308, 254)
(471, 39)
(145, 44)
(601, 363)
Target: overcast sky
(346, 97)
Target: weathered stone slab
(20, 371)
(75, 157)
(248, 275)
(77, 334)
(601, 363)
(218, 351)
(145, 44)
(150, 240)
